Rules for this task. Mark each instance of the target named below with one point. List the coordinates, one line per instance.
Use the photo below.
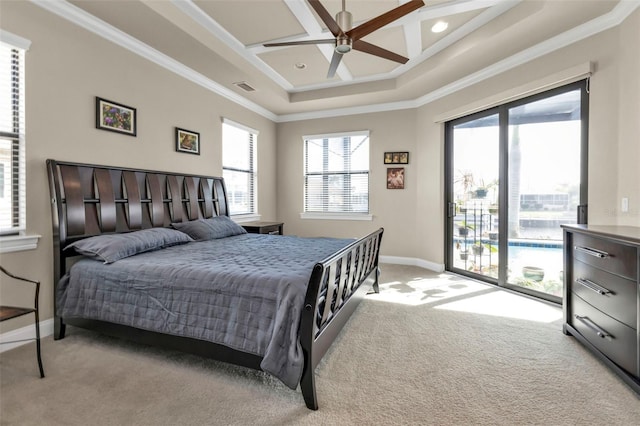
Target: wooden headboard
(88, 200)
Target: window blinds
(239, 167)
(12, 140)
(336, 173)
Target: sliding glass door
(475, 184)
(514, 174)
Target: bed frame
(88, 200)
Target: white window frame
(252, 171)
(14, 237)
(335, 215)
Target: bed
(153, 257)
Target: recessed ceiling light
(300, 66)
(439, 27)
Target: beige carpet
(430, 349)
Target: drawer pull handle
(593, 327)
(593, 286)
(592, 252)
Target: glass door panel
(544, 188)
(474, 208)
(515, 174)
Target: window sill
(337, 216)
(13, 243)
(246, 218)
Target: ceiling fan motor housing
(344, 20)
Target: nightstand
(271, 228)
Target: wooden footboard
(337, 285)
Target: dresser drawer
(608, 255)
(611, 337)
(609, 293)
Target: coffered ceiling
(220, 42)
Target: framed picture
(115, 117)
(395, 178)
(187, 141)
(396, 157)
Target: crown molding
(341, 112)
(105, 30)
(574, 35)
(14, 40)
(89, 22)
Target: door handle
(452, 209)
(593, 327)
(592, 252)
(582, 214)
(593, 286)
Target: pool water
(547, 258)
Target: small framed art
(396, 157)
(395, 178)
(187, 141)
(115, 117)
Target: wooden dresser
(601, 294)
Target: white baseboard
(412, 261)
(24, 333)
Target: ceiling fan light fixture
(343, 45)
(343, 48)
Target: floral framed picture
(395, 178)
(115, 117)
(396, 157)
(187, 141)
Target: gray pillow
(210, 229)
(112, 247)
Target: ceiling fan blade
(372, 49)
(335, 61)
(384, 19)
(301, 42)
(326, 17)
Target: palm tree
(466, 180)
(515, 161)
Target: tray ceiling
(222, 42)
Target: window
(336, 173)
(12, 140)
(239, 167)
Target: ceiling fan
(347, 38)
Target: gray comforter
(246, 292)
